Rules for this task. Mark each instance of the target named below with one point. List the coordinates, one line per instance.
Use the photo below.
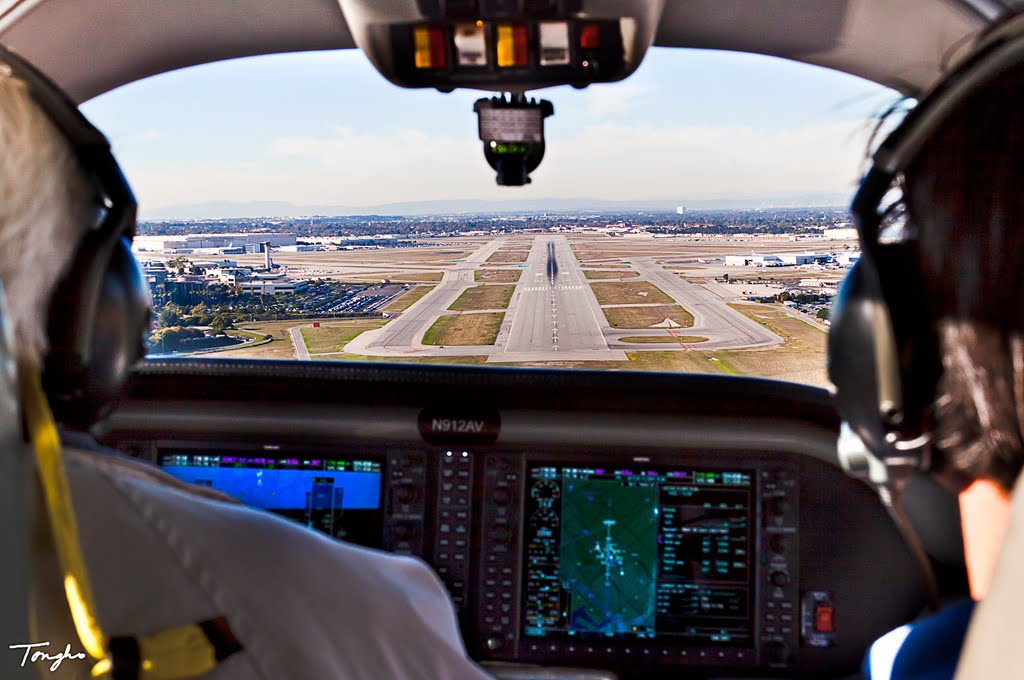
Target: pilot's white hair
(44, 207)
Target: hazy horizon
(282, 209)
(325, 129)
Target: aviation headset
(883, 349)
(100, 310)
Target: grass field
(625, 274)
(333, 336)
(634, 292)
(464, 329)
(418, 277)
(408, 298)
(645, 317)
(801, 358)
(497, 275)
(280, 346)
(508, 256)
(483, 297)
(650, 339)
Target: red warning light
(590, 37)
(824, 621)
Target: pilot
(955, 300)
(177, 581)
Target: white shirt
(162, 554)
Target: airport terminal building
(213, 242)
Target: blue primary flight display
(338, 497)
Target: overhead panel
(504, 45)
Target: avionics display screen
(640, 553)
(340, 497)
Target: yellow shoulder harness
(172, 654)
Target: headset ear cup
(118, 331)
(863, 361)
(85, 381)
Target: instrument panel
(630, 525)
(598, 558)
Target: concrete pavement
(554, 315)
(299, 343)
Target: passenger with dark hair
(963, 198)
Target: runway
(553, 314)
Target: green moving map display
(609, 566)
(640, 553)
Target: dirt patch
(509, 256)
(483, 297)
(625, 274)
(497, 275)
(645, 317)
(633, 292)
(464, 329)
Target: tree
(220, 323)
(198, 310)
(169, 338)
(824, 313)
(170, 315)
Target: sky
(326, 128)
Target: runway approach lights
(512, 130)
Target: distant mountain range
(227, 209)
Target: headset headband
(998, 49)
(115, 203)
(883, 349)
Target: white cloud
(609, 161)
(615, 101)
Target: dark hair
(964, 196)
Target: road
(553, 314)
(301, 351)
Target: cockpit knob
(778, 652)
(405, 493)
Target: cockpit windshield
(691, 218)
